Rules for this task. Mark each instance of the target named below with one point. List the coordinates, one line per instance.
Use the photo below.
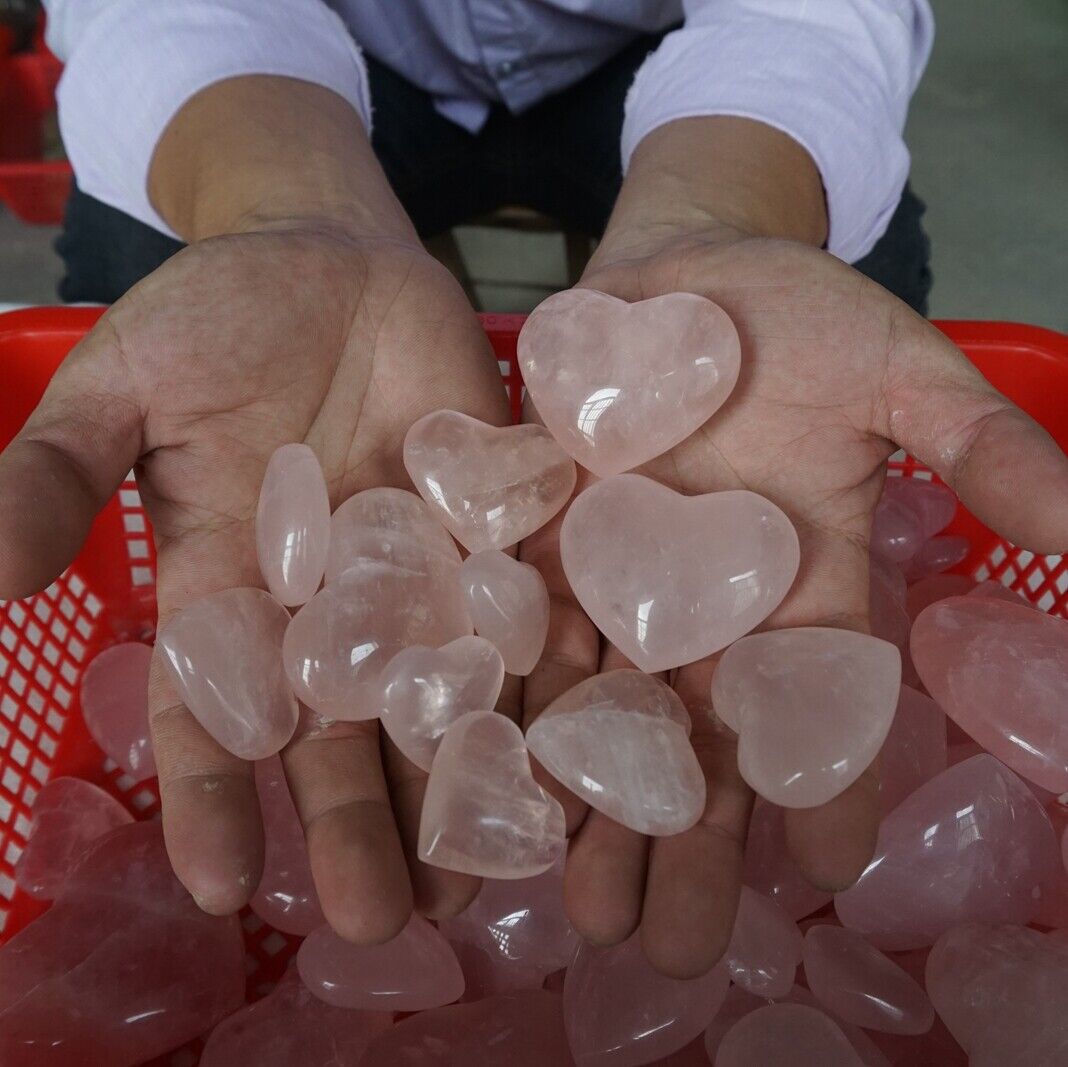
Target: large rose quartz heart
(812, 707)
(425, 690)
(971, 845)
(620, 741)
(618, 383)
(620, 1011)
(338, 644)
(915, 749)
(68, 816)
(414, 970)
(224, 656)
(669, 579)
(1000, 671)
(293, 524)
(483, 813)
(489, 486)
(115, 707)
(765, 947)
(786, 1034)
(1003, 993)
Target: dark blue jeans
(560, 158)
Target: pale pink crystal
(937, 587)
(669, 579)
(286, 896)
(812, 706)
(338, 644)
(620, 741)
(512, 1030)
(886, 603)
(620, 1011)
(68, 816)
(292, 1028)
(1003, 993)
(998, 592)
(124, 966)
(483, 813)
(425, 690)
(415, 970)
(490, 486)
(619, 383)
(973, 844)
(909, 512)
(736, 1005)
(223, 656)
(293, 524)
(937, 555)
(855, 981)
(765, 947)
(1000, 671)
(114, 697)
(391, 526)
(509, 606)
(862, 1044)
(786, 1034)
(915, 749)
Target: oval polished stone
(411, 972)
(114, 699)
(483, 813)
(765, 947)
(509, 606)
(811, 706)
(971, 845)
(620, 742)
(914, 751)
(338, 644)
(489, 486)
(669, 579)
(619, 383)
(223, 653)
(786, 1034)
(425, 690)
(1000, 671)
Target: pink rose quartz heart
(68, 816)
(292, 1028)
(669, 579)
(293, 524)
(415, 970)
(933, 504)
(338, 644)
(971, 845)
(490, 486)
(114, 698)
(513, 1030)
(1000, 671)
(286, 898)
(620, 1011)
(765, 947)
(786, 1034)
(937, 555)
(389, 525)
(896, 533)
(620, 741)
(483, 813)
(509, 605)
(812, 706)
(1003, 993)
(224, 656)
(856, 981)
(620, 383)
(425, 690)
(122, 968)
(915, 749)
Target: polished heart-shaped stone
(668, 578)
(490, 486)
(765, 947)
(620, 383)
(115, 707)
(811, 706)
(483, 813)
(788, 1034)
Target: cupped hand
(836, 374)
(237, 345)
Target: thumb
(65, 464)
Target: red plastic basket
(107, 595)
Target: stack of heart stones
(667, 578)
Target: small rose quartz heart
(483, 813)
(668, 578)
(115, 707)
(765, 947)
(620, 383)
(489, 486)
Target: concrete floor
(990, 157)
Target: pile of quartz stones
(952, 947)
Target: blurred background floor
(989, 137)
